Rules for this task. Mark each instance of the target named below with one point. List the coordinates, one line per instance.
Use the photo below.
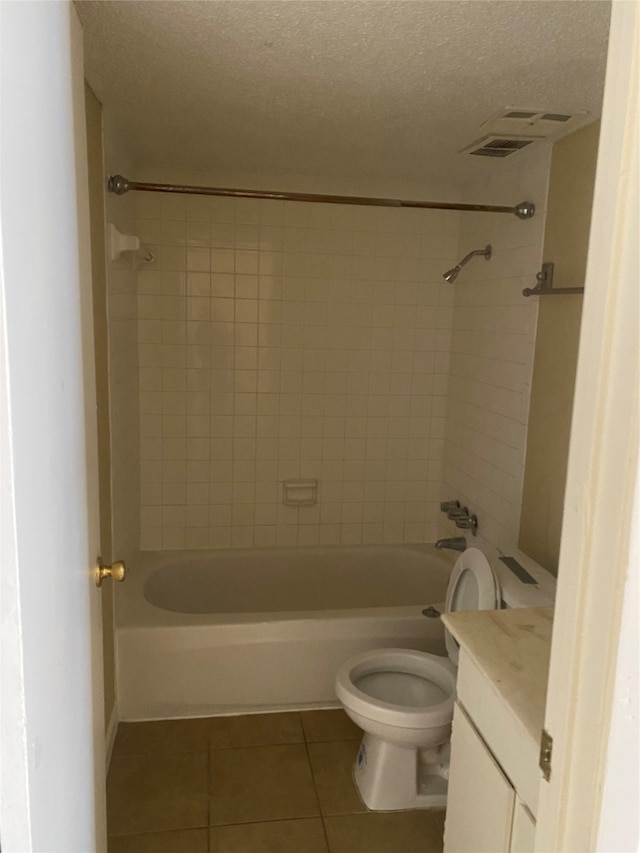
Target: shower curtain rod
(120, 185)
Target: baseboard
(230, 710)
(110, 736)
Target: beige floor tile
(329, 725)
(261, 783)
(255, 730)
(180, 841)
(418, 831)
(162, 737)
(152, 793)
(332, 765)
(279, 836)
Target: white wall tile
(491, 359)
(281, 340)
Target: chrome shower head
(452, 274)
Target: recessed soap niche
(299, 492)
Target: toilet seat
(439, 685)
(472, 586)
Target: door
(52, 735)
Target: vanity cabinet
(523, 829)
(480, 799)
(484, 813)
(494, 776)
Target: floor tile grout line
(210, 749)
(315, 790)
(267, 820)
(201, 827)
(259, 745)
(209, 790)
(221, 825)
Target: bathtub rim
(132, 609)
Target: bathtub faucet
(457, 543)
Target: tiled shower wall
(282, 340)
(492, 349)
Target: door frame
(597, 568)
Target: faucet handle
(467, 522)
(448, 506)
(458, 512)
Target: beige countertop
(511, 648)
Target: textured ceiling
(336, 89)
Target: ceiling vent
(548, 124)
(514, 129)
(499, 146)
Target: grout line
(325, 833)
(259, 745)
(315, 790)
(157, 831)
(209, 788)
(269, 820)
(336, 740)
(209, 752)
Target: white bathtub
(228, 632)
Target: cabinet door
(480, 799)
(523, 835)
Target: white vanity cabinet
(480, 799)
(523, 829)
(494, 775)
(484, 813)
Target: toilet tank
(523, 583)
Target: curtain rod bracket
(525, 210)
(120, 185)
(117, 184)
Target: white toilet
(403, 699)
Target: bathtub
(247, 631)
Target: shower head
(452, 274)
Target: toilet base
(394, 778)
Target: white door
(52, 732)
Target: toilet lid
(472, 586)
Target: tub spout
(457, 543)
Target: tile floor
(264, 783)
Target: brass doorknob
(116, 571)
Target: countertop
(511, 648)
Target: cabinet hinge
(546, 749)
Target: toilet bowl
(403, 701)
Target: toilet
(403, 699)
